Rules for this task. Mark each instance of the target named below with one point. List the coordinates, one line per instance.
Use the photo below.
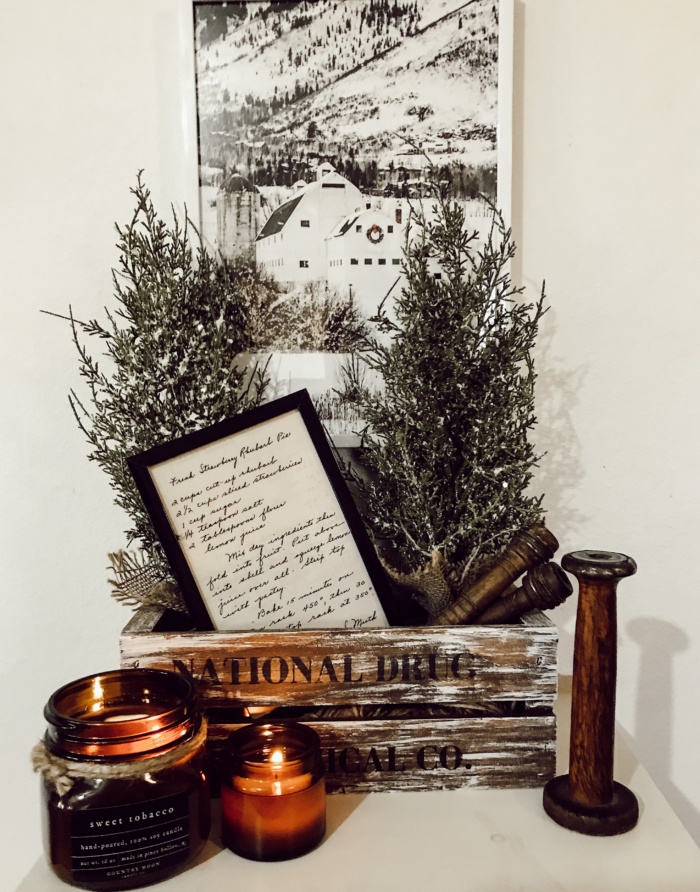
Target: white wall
(606, 192)
(606, 195)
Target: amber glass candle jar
(126, 791)
(273, 795)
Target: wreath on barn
(375, 234)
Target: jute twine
(64, 773)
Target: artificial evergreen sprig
(172, 346)
(446, 443)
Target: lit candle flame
(98, 695)
(276, 758)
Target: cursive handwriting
(264, 534)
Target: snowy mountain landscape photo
(320, 124)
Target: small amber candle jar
(273, 795)
(126, 791)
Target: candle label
(127, 841)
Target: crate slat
(444, 664)
(429, 754)
(144, 620)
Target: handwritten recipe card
(263, 533)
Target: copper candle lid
(121, 714)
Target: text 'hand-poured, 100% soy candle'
(273, 795)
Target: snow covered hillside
(368, 84)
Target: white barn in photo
(364, 255)
(291, 245)
(330, 231)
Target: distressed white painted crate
(487, 669)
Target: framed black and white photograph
(259, 526)
(319, 124)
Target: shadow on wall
(560, 472)
(517, 166)
(659, 642)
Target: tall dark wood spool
(587, 799)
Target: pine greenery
(176, 347)
(171, 344)
(446, 443)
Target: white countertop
(465, 840)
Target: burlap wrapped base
(138, 582)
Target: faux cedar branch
(173, 344)
(171, 347)
(446, 442)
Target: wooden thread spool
(546, 587)
(587, 799)
(528, 549)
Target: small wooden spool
(529, 548)
(545, 587)
(587, 799)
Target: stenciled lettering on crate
(429, 754)
(442, 664)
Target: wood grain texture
(545, 587)
(528, 548)
(376, 756)
(397, 665)
(593, 693)
(144, 620)
(536, 618)
(588, 800)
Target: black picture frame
(143, 465)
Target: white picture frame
(318, 368)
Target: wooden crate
(487, 670)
